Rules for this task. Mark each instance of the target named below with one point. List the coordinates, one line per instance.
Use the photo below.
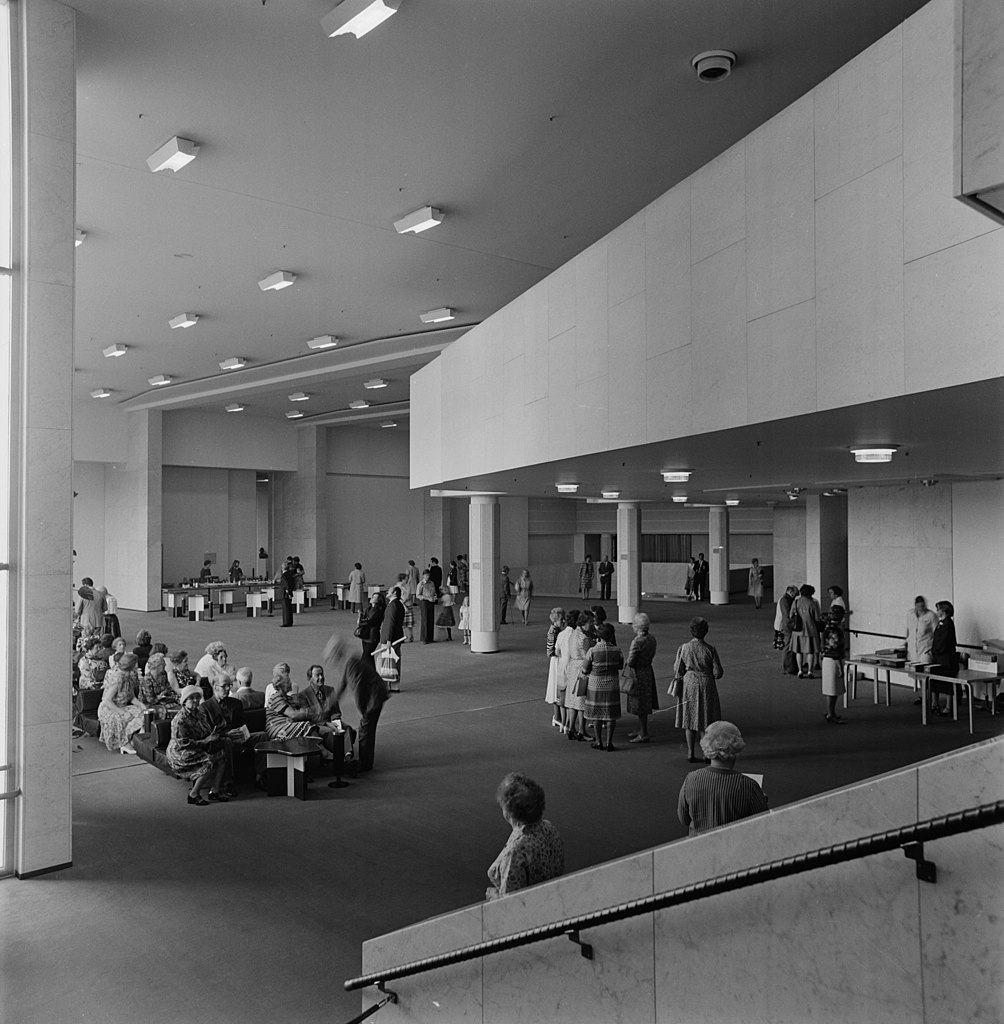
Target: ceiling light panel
(100, 393)
(875, 454)
(321, 342)
(388, 424)
(375, 383)
(610, 495)
(419, 220)
(173, 155)
(277, 281)
(676, 476)
(183, 320)
(114, 351)
(294, 414)
(436, 316)
(357, 17)
(161, 380)
(566, 488)
(359, 403)
(234, 363)
(679, 498)
(235, 407)
(299, 396)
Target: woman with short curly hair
(697, 667)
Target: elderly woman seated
(196, 750)
(289, 714)
(144, 646)
(213, 666)
(121, 711)
(178, 673)
(719, 794)
(534, 851)
(92, 666)
(155, 689)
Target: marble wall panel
(982, 95)
(50, 226)
(535, 364)
(491, 398)
(859, 115)
(626, 260)
(977, 551)
(50, 71)
(510, 329)
(933, 219)
(44, 810)
(931, 509)
(859, 289)
(425, 452)
(780, 212)
(718, 354)
(561, 395)
(976, 770)
(447, 994)
(50, 324)
(592, 428)
(626, 366)
(46, 700)
(669, 402)
(782, 363)
(955, 303)
(538, 443)
(718, 203)
(897, 525)
(667, 271)
(561, 299)
(427, 938)
(46, 500)
(591, 317)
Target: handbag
(361, 632)
(581, 686)
(629, 681)
(795, 622)
(676, 687)
(779, 643)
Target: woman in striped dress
(698, 665)
(287, 716)
(579, 643)
(603, 697)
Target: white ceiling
(536, 125)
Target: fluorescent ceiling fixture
(234, 363)
(676, 476)
(359, 403)
(322, 341)
(78, 237)
(183, 320)
(277, 281)
(419, 220)
(610, 494)
(160, 380)
(874, 454)
(388, 424)
(566, 488)
(376, 382)
(436, 316)
(235, 407)
(679, 498)
(357, 17)
(299, 396)
(173, 155)
(294, 414)
(732, 501)
(114, 351)
(101, 393)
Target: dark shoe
(573, 735)
(219, 798)
(707, 760)
(834, 719)
(641, 739)
(580, 737)
(610, 747)
(596, 746)
(337, 784)
(693, 760)
(197, 800)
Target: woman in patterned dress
(196, 751)
(524, 595)
(603, 664)
(155, 689)
(645, 699)
(578, 645)
(552, 695)
(121, 711)
(698, 665)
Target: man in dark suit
(285, 583)
(606, 572)
(225, 714)
(702, 572)
(370, 692)
(392, 632)
(436, 574)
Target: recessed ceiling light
(357, 17)
(294, 414)
(78, 237)
(359, 403)
(566, 488)
(731, 501)
(436, 316)
(235, 407)
(299, 396)
(680, 476)
(101, 393)
(114, 351)
(679, 498)
(234, 363)
(713, 65)
(173, 155)
(376, 382)
(419, 220)
(388, 424)
(277, 281)
(610, 494)
(183, 320)
(160, 380)
(322, 341)
(875, 454)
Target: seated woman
(195, 751)
(121, 711)
(212, 666)
(91, 665)
(534, 851)
(178, 673)
(155, 689)
(719, 794)
(288, 715)
(118, 649)
(143, 648)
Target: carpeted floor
(256, 910)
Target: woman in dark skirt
(603, 664)
(645, 699)
(698, 666)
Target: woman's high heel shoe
(219, 798)
(197, 800)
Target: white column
(718, 541)
(826, 542)
(627, 577)
(485, 530)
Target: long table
(965, 677)
(200, 599)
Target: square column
(486, 564)
(826, 542)
(718, 541)
(301, 505)
(627, 578)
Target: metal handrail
(893, 636)
(911, 838)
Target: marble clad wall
(828, 238)
(863, 942)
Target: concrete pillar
(826, 542)
(718, 556)
(486, 565)
(301, 506)
(438, 530)
(37, 534)
(627, 577)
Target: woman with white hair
(718, 794)
(644, 700)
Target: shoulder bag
(629, 681)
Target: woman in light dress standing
(357, 587)
(697, 666)
(755, 588)
(645, 699)
(552, 694)
(524, 594)
(805, 641)
(579, 644)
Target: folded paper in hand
(243, 734)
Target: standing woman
(579, 643)
(586, 576)
(645, 698)
(833, 663)
(698, 666)
(236, 572)
(944, 656)
(426, 596)
(805, 613)
(552, 695)
(121, 711)
(453, 577)
(755, 589)
(603, 664)
(357, 587)
(524, 594)
(370, 623)
(561, 642)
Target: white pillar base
(626, 612)
(719, 597)
(485, 642)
